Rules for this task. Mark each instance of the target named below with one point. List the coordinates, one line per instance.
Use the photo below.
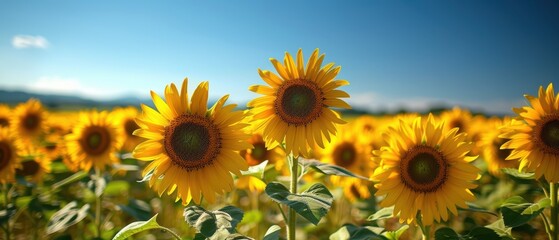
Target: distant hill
(64, 102)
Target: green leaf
(273, 233)
(395, 235)
(350, 231)
(73, 178)
(97, 184)
(138, 209)
(483, 233)
(500, 228)
(139, 226)
(252, 216)
(117, 188)
(66, 217)
(517, 174)
(541, 204)
(328, 169)
(446, 233)
(210, 222)
(512, 210)
(256, 171)
(311, 204)
(475, 208)
(383, 213)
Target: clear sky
(481, 54)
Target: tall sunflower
(192, 149)
(126, 120)
(457, 118)
(296, 106)
(534, 138)
(490, 145)
(425, 170)
(9, 159)
(28, 121)
(94, 141)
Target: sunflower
(457, 118)
(425, 170)
(28, 121)
(94, 141)
(34, 164)
(260, 152)
(9, 159)
(490, 145)
(534, 138)
(192, 149)
(5, 113)
(127, 122)
(296, 105)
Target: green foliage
(395, 235)
(478, 233)
(517, 211)
(328, 169)
(256, 171)
(273, 233)
(115, 188)
(311, 204)
(138, 209)
(213, 224)
(383, 213)
(350, 231)
(140, 226)
(517, 174)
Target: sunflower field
(288, 165)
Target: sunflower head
(5, 113)
(296, 106)
(260, 153)
(490, 143)
(127, 121)
(9, 156)
(186, 142)
(28, 121)
(534, 136)
(457, 118)
(424, 169)
(94, 140)
(34, 165)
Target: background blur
(396, 55)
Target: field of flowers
(289, 165)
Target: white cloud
(376, 102)
(27, 41)
(70, 86)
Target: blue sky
(480, 54)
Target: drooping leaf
(483, 233)
(209, 223)
(256, 171)
(273, 233)
(515, 173)
(500, 228)
(328, 169)
(311, 204)
(66, 217)
(140, 226)
(383, 213)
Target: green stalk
(426, 233)
(554, 210)
(293, 189)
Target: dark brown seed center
(130, 126)
(345, 154)
(95, 140)
(5, 154)
(29, 168)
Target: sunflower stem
(546, 224)
(426, 232)
(293, 189)
(554, 210)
